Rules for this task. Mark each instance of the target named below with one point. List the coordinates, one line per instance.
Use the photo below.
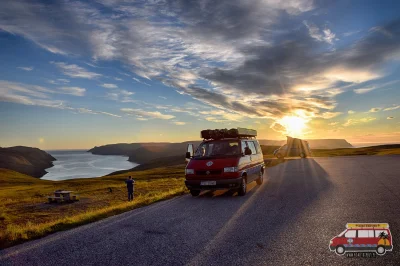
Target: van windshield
(218, 148)
(342, 233)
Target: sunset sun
(294, 125)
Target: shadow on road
(267, 212)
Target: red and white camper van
(363, 237)
(226, 159)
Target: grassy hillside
(30, 161)
(374, 150)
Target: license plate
(208, 183)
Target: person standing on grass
(129, 185)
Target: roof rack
(228, 133)
(367, 225)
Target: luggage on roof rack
(228, 133)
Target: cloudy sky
(75, 74)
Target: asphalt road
(288, 220)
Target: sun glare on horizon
(294, 125)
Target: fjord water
(72, 164)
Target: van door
(364, 238)
(350, 236)
(245, 161)
(253, 160)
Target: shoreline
(79, 164)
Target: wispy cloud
(88, 111)
(325, 35)
(390, 117)
(123, 96)
(26, 94)
(139, 81)
(392, 108)
(374, 110)
(109, 86)
(76, 91)
(374, 87)
(352, 122)
(350, 33)
(58, 81)
(350, 112)
(141, 114)
(365, 90)
(329, 115)
(179, 123)
(75, 71)
(26, 68)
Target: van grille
(210, 172)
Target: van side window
(378, 232)
(252, 147)
(350, 234)
(244, 145)
(362, 233)
(258, 148)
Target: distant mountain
(329, 143)
(26, 160)
(314, 143)
(144, 152)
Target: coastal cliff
(144, 152)
(26, 160)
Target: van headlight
(190, 171)
(230, 169)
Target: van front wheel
(340, 250)
(243, 187)
(195, 193)
(381, 250)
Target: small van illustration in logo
(363, 237)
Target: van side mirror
(247, 151)
(189, 152)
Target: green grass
(24, 213)
(393, 149)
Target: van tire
(243, 187)
(195, 193)
(302, 155)
(260, 178)
(380, 250)
(340, 250)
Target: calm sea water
(72, 164)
